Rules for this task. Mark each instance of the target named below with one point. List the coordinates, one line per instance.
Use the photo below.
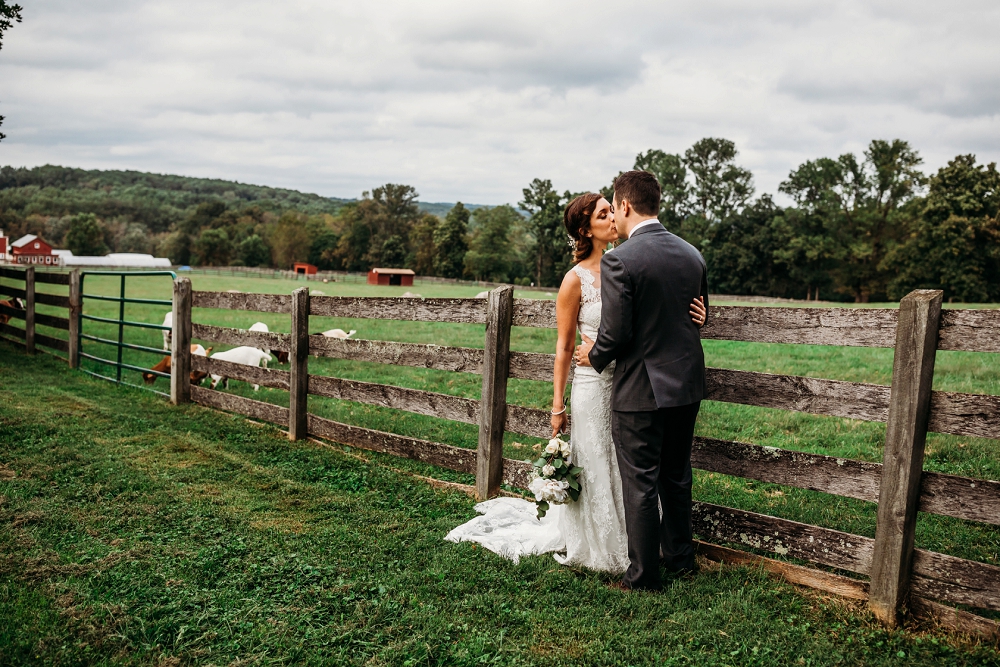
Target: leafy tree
(720, 187)
(672, 175)
(253, 251)
(353, 247)
(740, 252)
(423, 250)
(954, 244)
(212, 248)
(389, 211)
(322, 249)
(490, 255)
(290, 240)
(85, 236)
(552, 253)
(135, 239)
(8, 15)
(451, 240)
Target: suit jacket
(647, 285)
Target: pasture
(390, 495)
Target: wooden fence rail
(27, 337)
(896, 572)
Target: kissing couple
(637, 388)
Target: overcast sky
(471, 100)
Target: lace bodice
(589, 318)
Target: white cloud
(471, 101)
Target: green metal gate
(121, 323)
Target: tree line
(862, 228)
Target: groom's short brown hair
(640, 189)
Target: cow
(15, 303)
(168, 321)
(339, 333)
(246, 355)
(164, 366)
(280, 354)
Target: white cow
(248, 356)
(339, 333)
(168, 321)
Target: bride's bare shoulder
(570, 287)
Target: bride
(591, 531)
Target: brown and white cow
(164, 366)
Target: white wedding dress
(591, 531)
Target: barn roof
(23, 241)
(399, 272)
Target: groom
(659, 381)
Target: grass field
(832, 436)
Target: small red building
(31, 249)
(402, 277)
(3, 247)
(303, 268)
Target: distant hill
(441, 209)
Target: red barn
(303, 268)
(391, 277)
(3, 247)
(31, 249)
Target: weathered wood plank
(52, 299)
(12, 312)
(264, 303)
(516, 473)
(493, 404)
(49, 341)
(248, 407)
(412, 400)
(75, 308)
(530, 421)
(842, 477)
(793, 574)
(962, 497)
(853, 400)
(52, 278)
(975, 415)
(240, 337)
(955, 620)
(29, 310)
(12, 341)
(446, 456)
(535, 313)
(533, 366)
(52, 321)
(459, 359)
(265, 377)
(903, 455)
(854, 327)
(971, 330)
(8, 272)
(410, 309)
(12, 291)
(957, 580)
(11, 330)
(180, 341)
(298, 358)
(787, 538)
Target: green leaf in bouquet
(573, 493)
(540, 462)
(573, 484)
(575, 471)
(557, 464)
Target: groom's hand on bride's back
(583, 351)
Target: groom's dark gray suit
(647, 285)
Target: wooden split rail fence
(26, 336)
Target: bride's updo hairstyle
(576, 217)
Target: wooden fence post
(29, 310)
(903, 457)
(493, 404)
(298, 358)
(180, 344)
(75, 307)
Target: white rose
(548, 470)
(537, 487)
(552, 447)
(566, 449)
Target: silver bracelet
(556, 414)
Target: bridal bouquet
(555, 480)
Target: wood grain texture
(12, 291)
(971, 330)
(961, 497)
(49, 341)
(298, 359)
(446, 456)
(530, 421)
(248, 407)
(410, 309)
(533, 366)
(793, 574)
(412, 400)
(52, 321)
(787, 538)
(30, 299)
(975, 415)
(957, 580)
(52, 299)
(265, 377)
(493, 401)
(842, 477)
(180, 343)
(534, 313)
(516, 473)
(240, 337)
(903, 454)
(955, 620)
(52, 278)
(853, 400)
(264, 303)
(853, 327)
(459, 359)
(11, 330)
(75, 309)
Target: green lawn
(134, 532)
